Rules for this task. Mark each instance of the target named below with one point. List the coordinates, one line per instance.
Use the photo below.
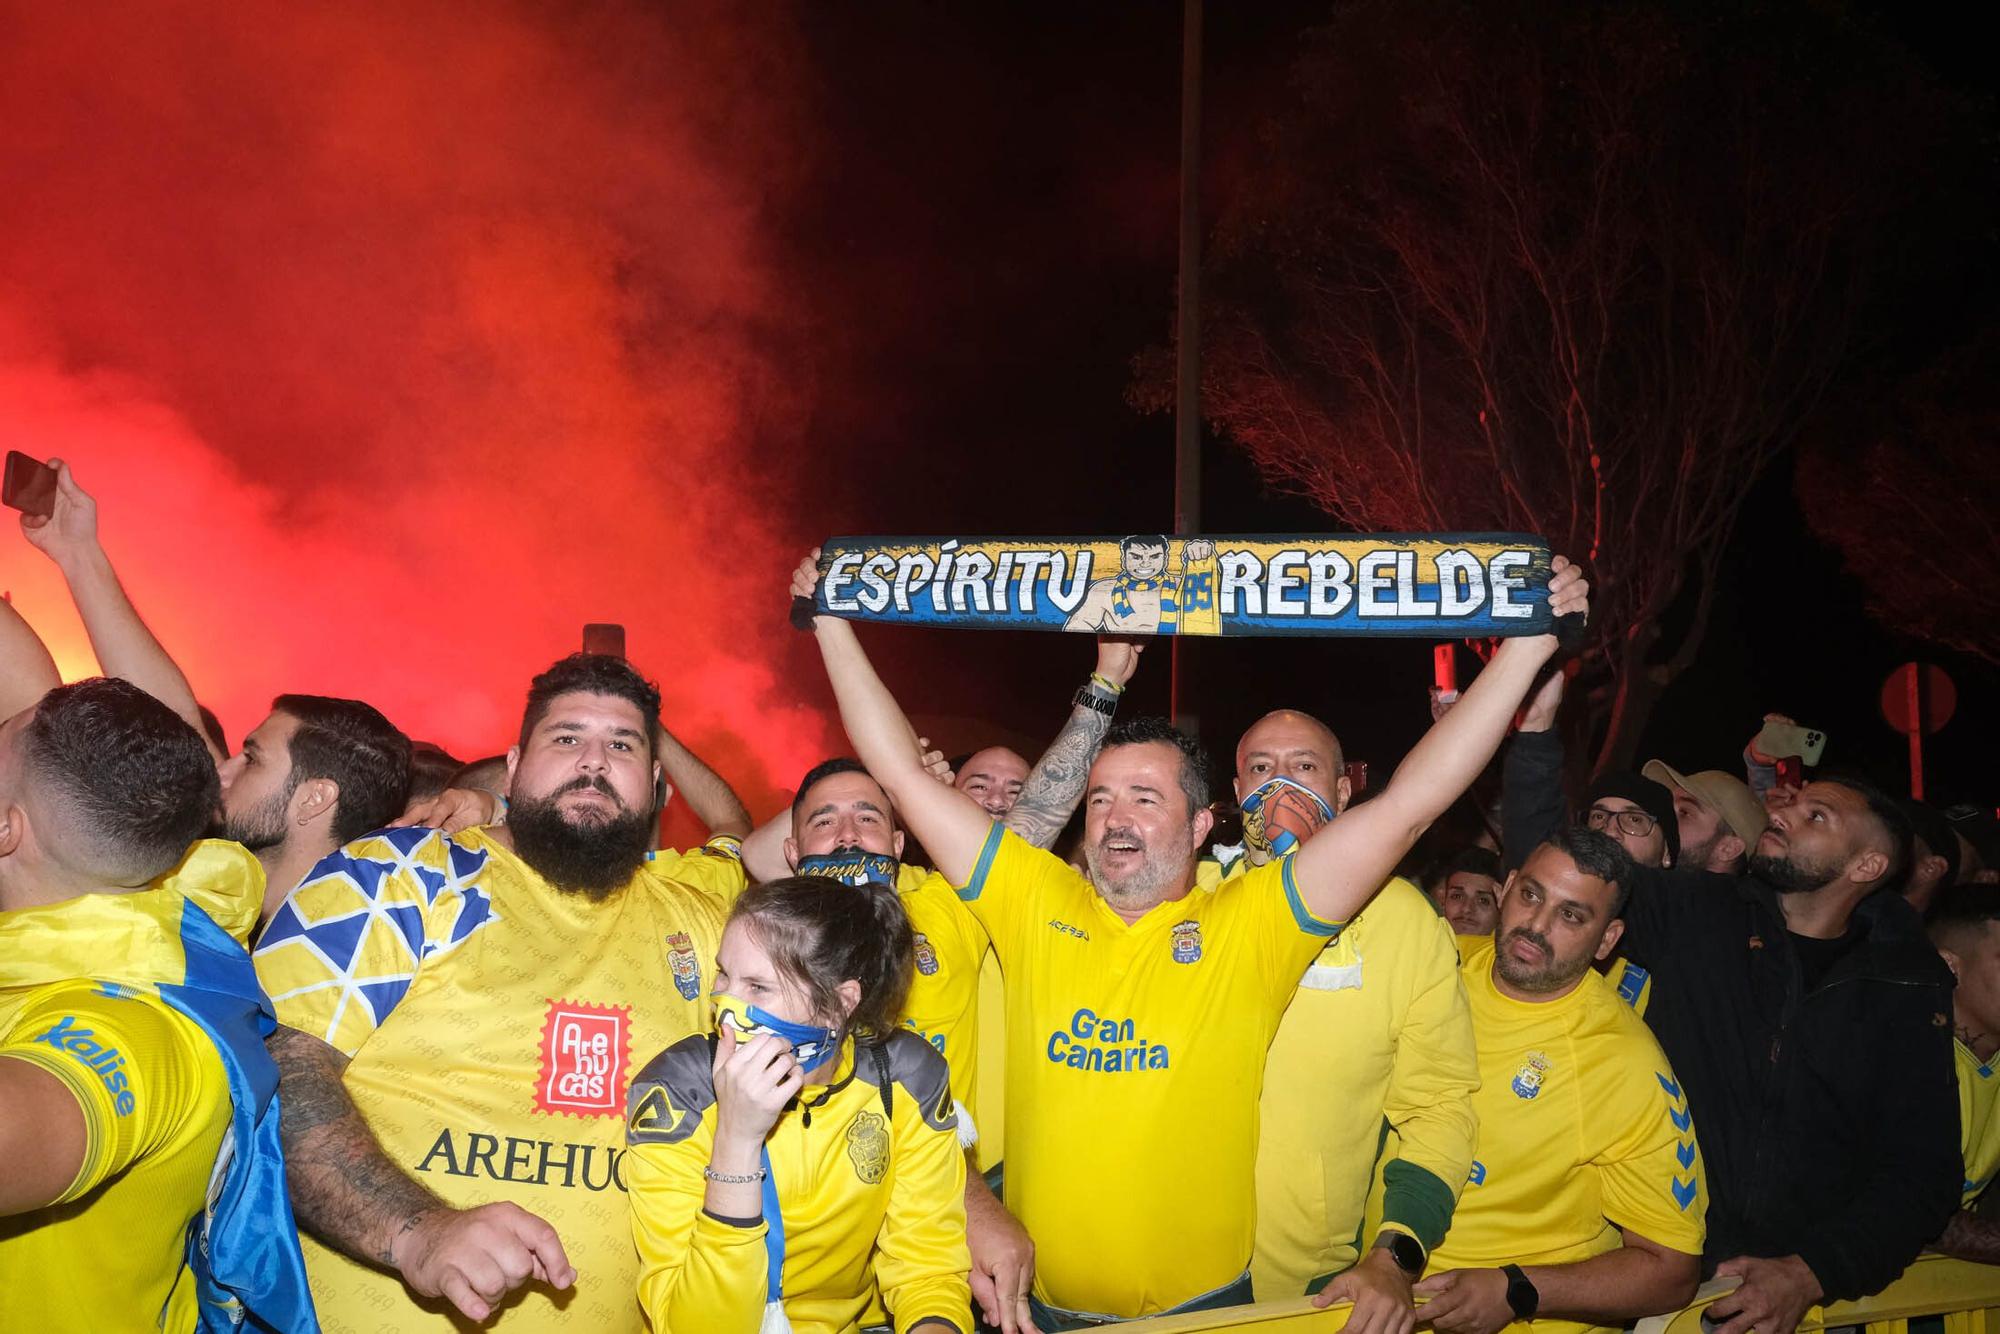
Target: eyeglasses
(1631, 823)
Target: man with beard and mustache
(1377, 1035)
(1810, 1021)
(1584, 1207)
(317, 773)
(460, 1016)
(1139, 1008)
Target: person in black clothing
(1809, 1021)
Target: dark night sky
(998, 202)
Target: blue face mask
(1262, 834)
(851, 866)
(812, 1046)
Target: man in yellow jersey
(1140, 1008)
(130, 1031)
(847, 829)
(1585, 1204)
(1374, 1057)
(1966, 931)
(463, 1015)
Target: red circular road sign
(1940, 697)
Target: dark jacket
(1531, 793)
(1828, 1119)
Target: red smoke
(397, 341)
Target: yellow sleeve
(1432, 1078)
(1653, 1179)
(715, 868)
(696, 1271)
(921, 1261)
(134, 1069)
(1008, 882)
(343, 948)
(1286, 933)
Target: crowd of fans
(340, 1032)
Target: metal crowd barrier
(1967, 1296)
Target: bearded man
(460, 1016)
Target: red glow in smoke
(398, 341)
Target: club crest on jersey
(1187, 942)
(1528, 1079)
(868, 1147)
(585, 1049)
(685, 967)
(926, 956)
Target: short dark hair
(1597, 854)
(1962, 909)
(820, 933)
(1927, 822)
(1889, 813)
(431, 770)
(351, 744)
(135, 779)
(1475, 861)
(839, 764)
(1146, 730)
(1141, 540)
(591, 674)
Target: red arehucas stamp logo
(585, 1051)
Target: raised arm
(125, 648)
(712, 800)
(1341, 867)
(951, 826)
(1055, 785)
(27, 672)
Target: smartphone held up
(29, 486)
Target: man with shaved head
(1378, 1033)
(994, 778)
(1810, 1022)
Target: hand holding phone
(29, 485)
(1782, 737)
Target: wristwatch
(1522, 1295)
(1404, 1249)
(1089, 698)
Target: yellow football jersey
(1583, 1129)
(943, 1004)
(1978, 1121)
(1135, 1054)
(155, 1102)
(494, 1024)
(1372, 1069)
(992, 1080)
(870, 1184)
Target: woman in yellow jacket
(806, 1152)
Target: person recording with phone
(317, 773)
(807, 1151)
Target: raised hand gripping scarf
(169, 941)
(1422, 585)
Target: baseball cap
(1725, 794)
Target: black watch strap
(1522, 1295)
(1404, 1249)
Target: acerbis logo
(1069, 930)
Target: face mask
(851, 866)
(812, 1046)
(1261, 833)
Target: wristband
(1089, 697)
(1523, 1297)
(733, 1178)
(1100, 679)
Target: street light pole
(1187, 362)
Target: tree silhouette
(1574, 270)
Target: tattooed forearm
(345, 1191)
(1055, 784)
(1968, 1237)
